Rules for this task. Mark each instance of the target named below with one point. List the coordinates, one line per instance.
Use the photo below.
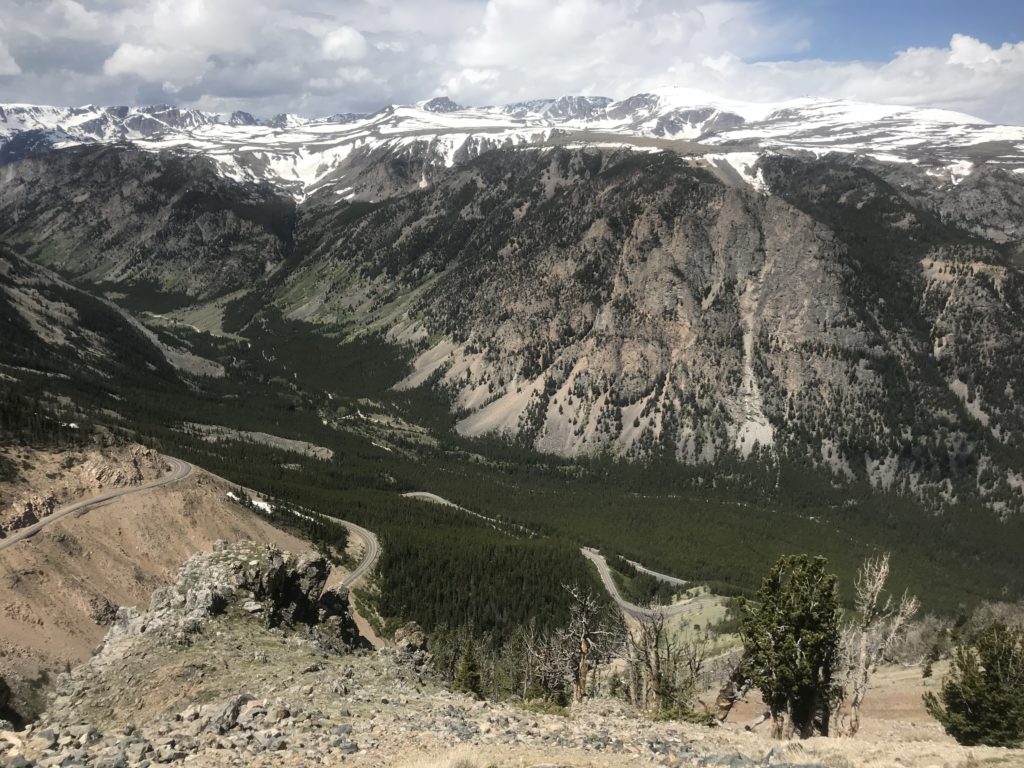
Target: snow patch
(742, 163)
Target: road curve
(632, 609)
(371, 551)
(371, 545)
(179, 470)
(494, 522)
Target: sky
(321, 57)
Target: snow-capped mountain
(304, 155)
(671, 274)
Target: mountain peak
(441, 104)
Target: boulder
(102, 611)
(334, 602)
(227, 717)
(410, 638)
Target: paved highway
(179, 470)
(371, 546)
(495, 523)
(371, 551)
(631, 609)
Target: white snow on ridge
(743, 164)
(300, 155)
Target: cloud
(344, 43)
(969, 75)
(179, 65)
(322, 56)
(8, 66)
(532, 48)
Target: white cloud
(175, 66)
(549, 47)
(322, 56)
(8, 66)
(969, 76)
(344, 43)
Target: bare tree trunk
(878, 627)
(766, 715)
(778, 724)
(734, 690)
(579, 678)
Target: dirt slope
(58, 588)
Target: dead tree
(735, 689)
(665, 670)
(591, 637)
(878, 626)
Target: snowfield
(301, 155)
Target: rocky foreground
(248, 661)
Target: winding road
(371, 550)
(179, 470)
(494, 522)
(371, 545)
(632, 609)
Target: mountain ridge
(305, 155)
(589, 292)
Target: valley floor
(289, 700)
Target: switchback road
(631, 609)
(179, 470)
(371, 550)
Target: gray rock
(410, 638)
(225, 720)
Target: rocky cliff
(587, 300)
(860, 317)
(121, 215)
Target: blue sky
(876, 29)
(317, 57)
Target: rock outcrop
(80, 473)
(859, 318)
(589, 301)
(167, 222)
(257, 582)
(241, 663)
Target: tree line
(812, 665)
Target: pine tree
(467, 678)
(791, 643)
(980, 701)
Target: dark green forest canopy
(722, 526)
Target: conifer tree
(791, 643)
(980, 701)
(467, 678)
